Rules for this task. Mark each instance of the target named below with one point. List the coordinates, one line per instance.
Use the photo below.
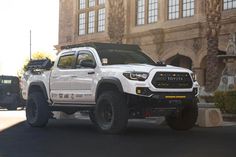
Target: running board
(77, 107)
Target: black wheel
(111, 112)
(186, 119)
(37, 110)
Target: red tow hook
(147, 114)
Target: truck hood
(144, 68)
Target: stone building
(173, 31)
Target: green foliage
(230, 104)
(208, 99)
(219, 99)
(226, 101)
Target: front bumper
(146, 92)
(160, 103)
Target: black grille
(172, 80)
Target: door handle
(74, 76)
(91, 72)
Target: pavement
(10, 118)
(79, 138)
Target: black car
(10, 94)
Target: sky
(17, 18)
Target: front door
(60, 80)
(82, 82)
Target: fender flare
(111, 80)
(41, 85)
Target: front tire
(186, 118)
(111, 112)
(37, 110)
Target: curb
(229, 117)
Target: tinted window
(84, 55)
(66, 62)
(111, 57)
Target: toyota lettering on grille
(175, 78)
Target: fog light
(139, 91)
(143, 91)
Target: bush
(208, 99)
(230, 104)
(219, 99)
(226, 101)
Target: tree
(116, 21)
(213, 12)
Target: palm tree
(116, 21)
(213, 13)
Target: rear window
(66, 62)
(6, 82)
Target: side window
(84, 56)
(66, 62)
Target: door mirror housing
(88, 64)
(160, 63)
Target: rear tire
(186, 118)
(37, 110)
(111, 112)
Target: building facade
(173, 31)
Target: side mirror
(88, 64)
(160, 63)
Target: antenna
(30, 45)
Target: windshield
(112, 57)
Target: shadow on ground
(70, 138)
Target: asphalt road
(78, 138)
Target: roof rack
(43, 64)
(102, 46)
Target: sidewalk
(10, 118)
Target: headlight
(140, 76)
(194, 77)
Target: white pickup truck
(113, 83)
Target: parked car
(10, 93)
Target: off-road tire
(111, 112)
(186, 118)
(37, 110)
